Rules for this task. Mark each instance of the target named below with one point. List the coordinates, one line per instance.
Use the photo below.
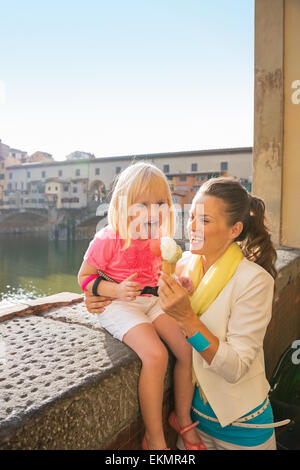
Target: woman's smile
(196, 242)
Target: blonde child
(141, 209)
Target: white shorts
(121, 315)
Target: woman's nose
(196, 227)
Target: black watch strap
(103, 276)
(95, 285)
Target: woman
(225, 319)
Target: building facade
(18, 155)
(66, 193)
(183, 169)
(4, 152)
(185, 185)
(13, 195)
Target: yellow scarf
(207, 287)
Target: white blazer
(235, 381)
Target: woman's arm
(176, 303)
(96, 304)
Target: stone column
(268, 110)
(290, 234)
(276, 154)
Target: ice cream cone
(168, 268)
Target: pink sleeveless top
(104, 253)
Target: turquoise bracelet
(199, 342)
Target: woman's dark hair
(255, 239)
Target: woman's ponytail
(256, 243)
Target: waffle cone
(168, 268)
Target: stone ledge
(37, 306)
(284, 326)
(65, 383)
(288, 267)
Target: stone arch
(97, 191)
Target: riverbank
(33, 266)
(20, 223)
(60, 224)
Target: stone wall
(67, 384)
(64, 382)
(285, 323)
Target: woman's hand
(175, 301)
(96, 304)
(186, 283)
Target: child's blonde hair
(134, 181)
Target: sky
(126, 77)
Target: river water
(32, 267)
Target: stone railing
(65, 383)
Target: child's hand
(186, 283)
(129, 290)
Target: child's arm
(105, 288)
(126, 290)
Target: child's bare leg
(168, 329)
(144, 340)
